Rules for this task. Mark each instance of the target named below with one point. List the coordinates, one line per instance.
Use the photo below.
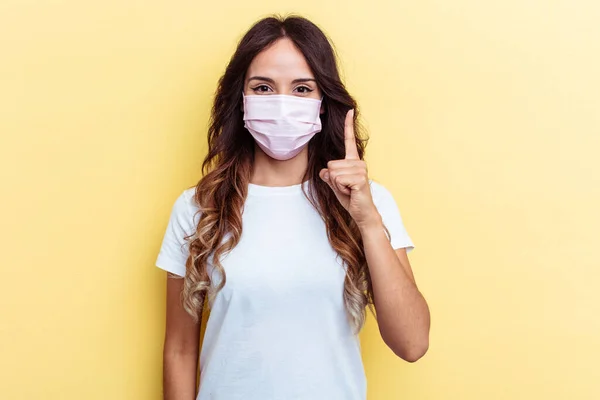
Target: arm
(181, 346)
(402, 312)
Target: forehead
(280, 60)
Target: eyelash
(306, 88)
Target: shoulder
(379, 192)
(185, 206)
(187, 198)
(390, 213)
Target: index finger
(349, 138)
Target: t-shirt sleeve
(390, 214)
(174, 250)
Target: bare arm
(181, 346)
(402, 312)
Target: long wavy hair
(222, 191)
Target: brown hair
(221, 192)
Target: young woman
(285, 236)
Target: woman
(285, 236)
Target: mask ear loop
(242, 108)
(321, 106)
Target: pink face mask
(281, 124)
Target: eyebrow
(264, 78)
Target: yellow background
(484, 119)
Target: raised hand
(349, 180)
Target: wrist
(373, 222)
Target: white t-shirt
(278, 329)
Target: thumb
(324, 174)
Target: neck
(268, 171)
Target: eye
(261, 88)
(304, 89)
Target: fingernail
(326, 176)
